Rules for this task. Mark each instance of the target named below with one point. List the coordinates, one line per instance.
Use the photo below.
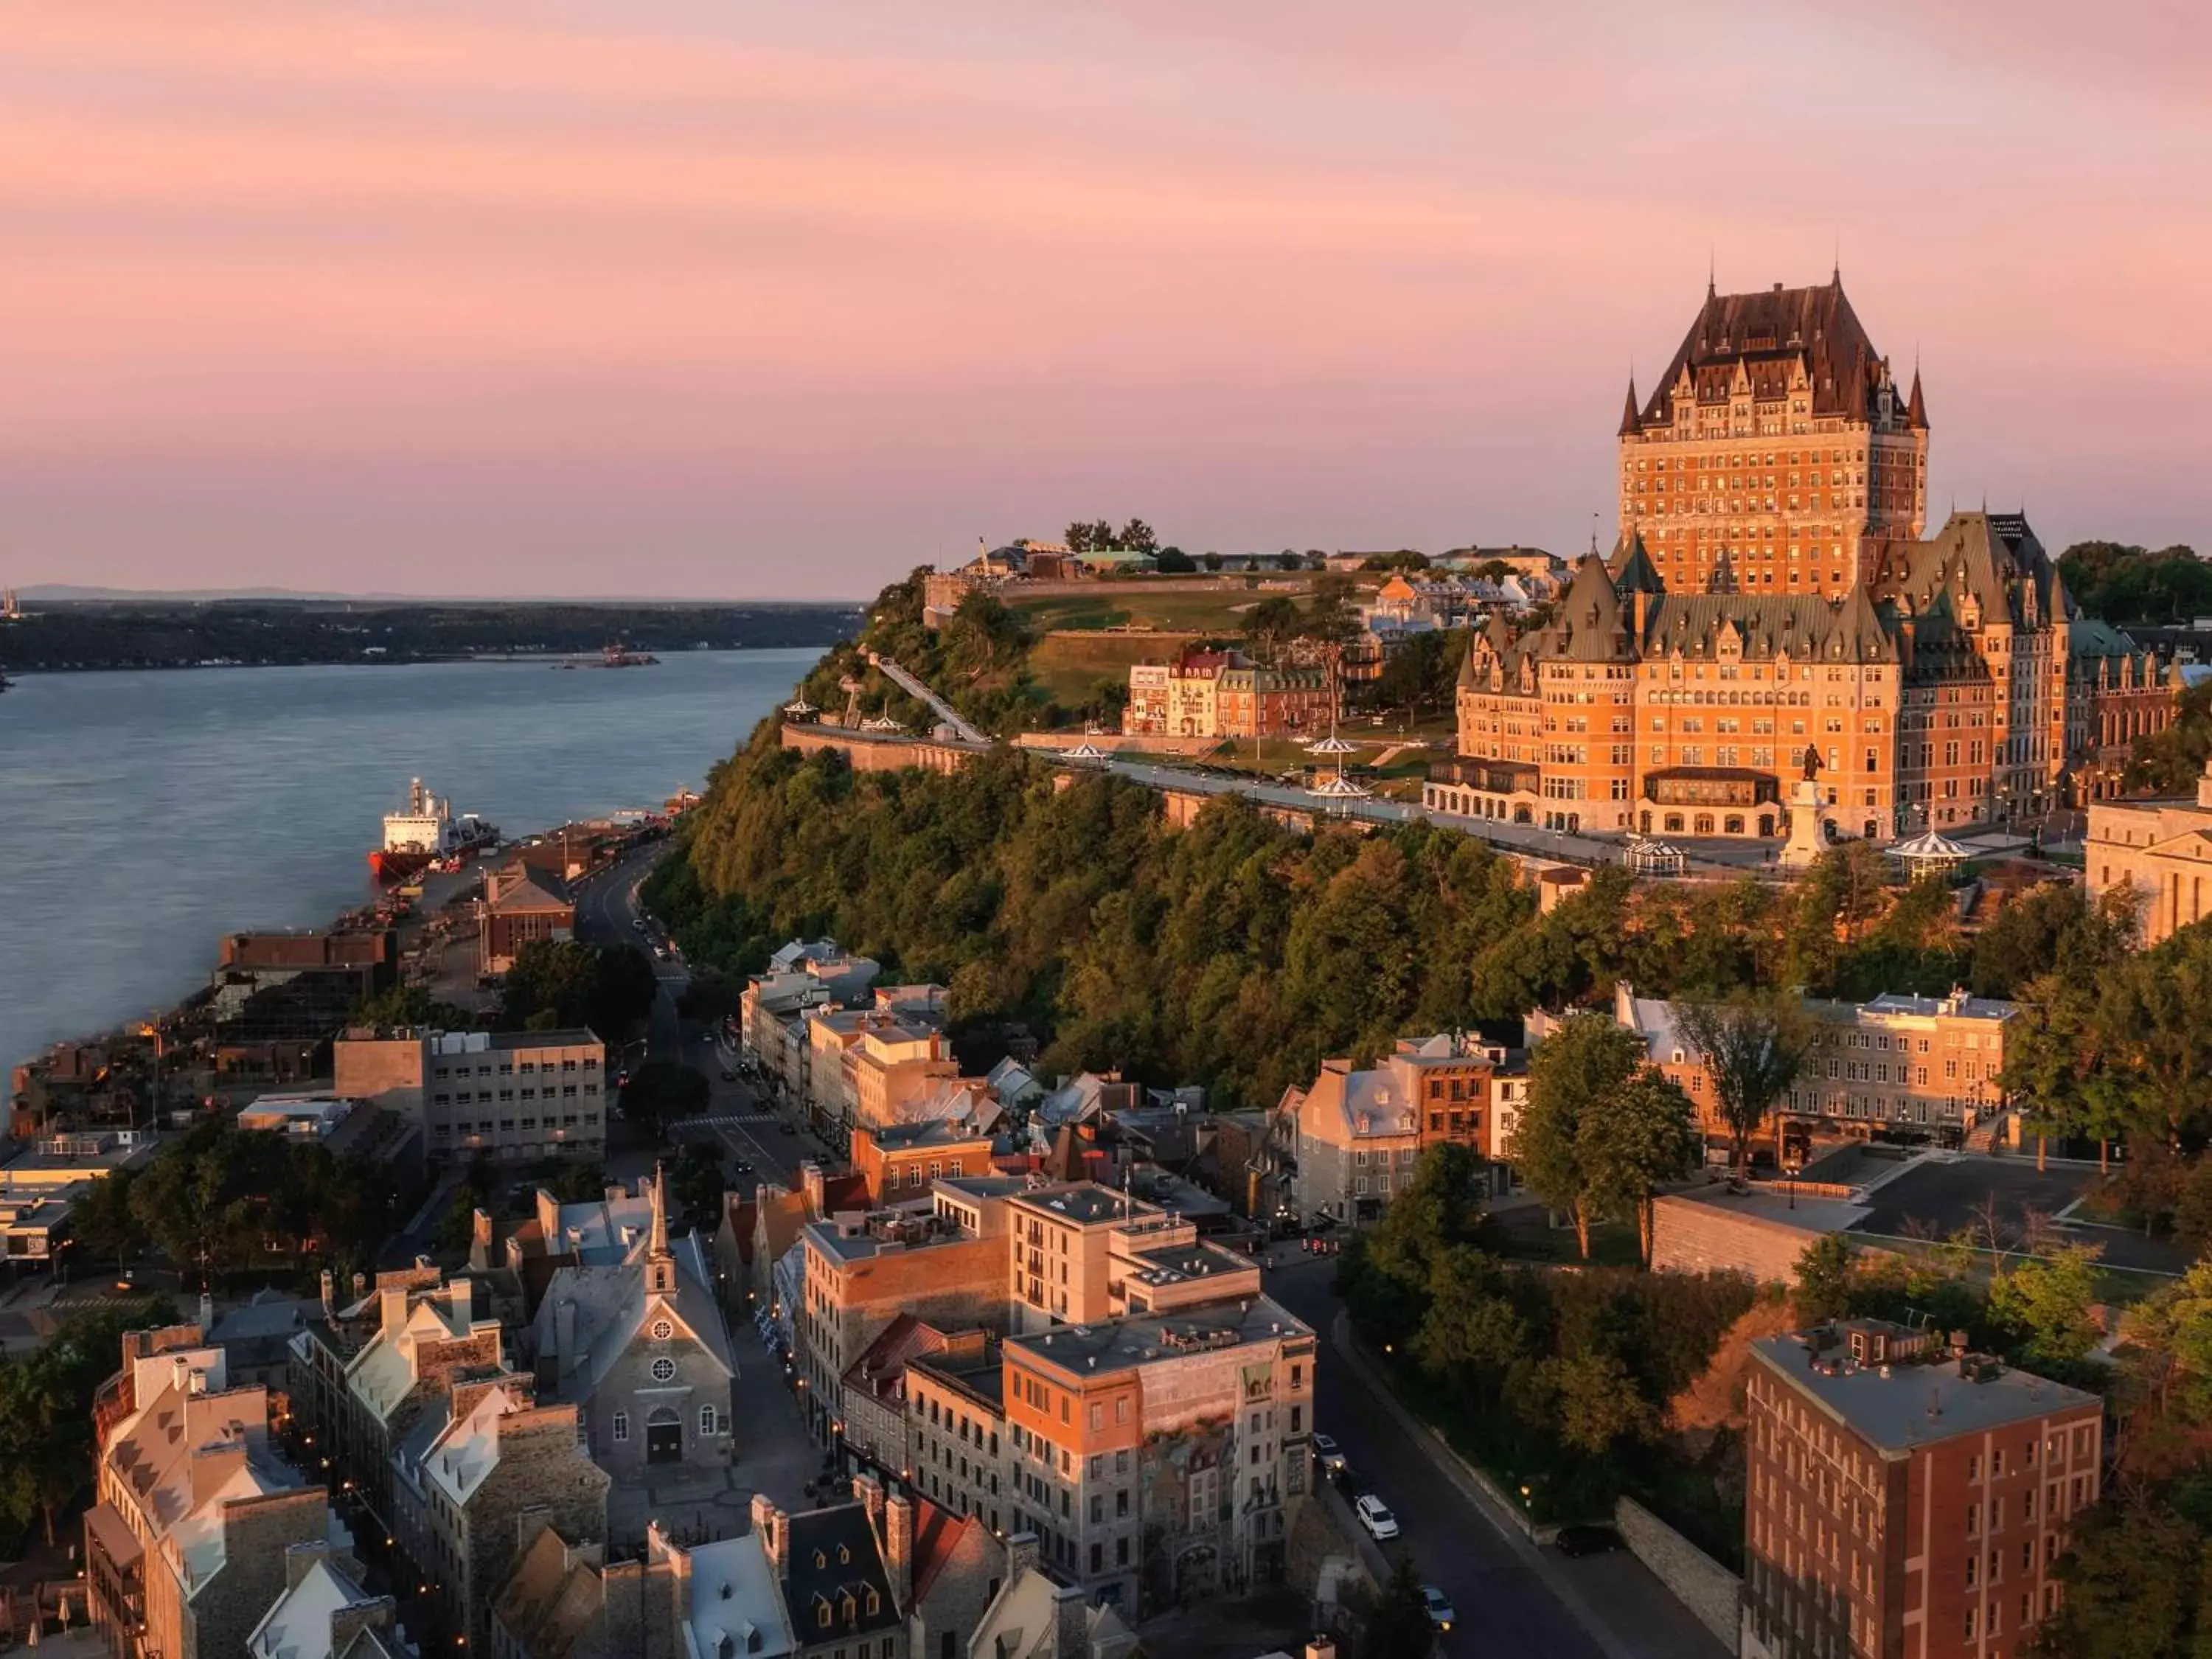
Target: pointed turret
(1722, 577)
(1589, 620)
(659, 1263)
(1916, 406)
(1631, 565)
(1630, 425)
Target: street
(1513, 1598)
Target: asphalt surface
(1501, 1585)
(1941, 1199)
(606, 905)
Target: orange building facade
(1753, 627)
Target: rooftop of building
(836, 1567)
(1955, 1007)
(298, 1624)
(1126, 1342)
(734, 1593)
(454, 1043)
(926, 1134)
(981, 1375)
(892, 1231)
(1900, 1406)
(1174, 1264)
(1087, 1203)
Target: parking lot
(1936, 1199)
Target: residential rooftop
(930, 1132)
(1085, 1202)
(1904, 1405)
(1126, 1342)
(1172, 1264)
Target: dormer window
(823, 1614)
(875, 1603)
(844, 1556)
(820, 1560)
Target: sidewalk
(1614, 1597)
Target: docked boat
(425, 834)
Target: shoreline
(488, 658)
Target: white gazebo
(880, 723)
(1653, 858)
(1928, 851)
(1086, 754)
(799, 710)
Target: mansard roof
(1766, 339)
(1631, 565)
(1993, 559)
(1762, 626)
(1588, 625)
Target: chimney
(299, 1559)
(329, 1294)
(810, 1183)
(1071, 1626)
(480, 1241)
(898, 1547)
(1022, 1554)
(1321, 1647)
(773, 1527)
(207, 1312)
(461, 1295)
(870, 1490)
(1958, 1344)
(392, 1308)
(360, 1286)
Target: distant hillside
(151, 634)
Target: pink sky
(778, 299)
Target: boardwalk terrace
(1904, 1499)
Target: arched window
(1705, 825)
(1673, 823)
(1734, 824)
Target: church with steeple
(1772, 611)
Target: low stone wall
(1693, 1237)
(1700, 1583)
(1116, 743)
(867, 751)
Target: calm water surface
(144, 815)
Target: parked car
(1439, 1605)
(1587, 1540)
(728, 1076)
(1375, 1515)
(1328, 1454)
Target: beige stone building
(2163, 850)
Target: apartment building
(1222, 694)
(942, 1261)
(801, 976)
(1083, 1253)
(1904, 1499)
(900, 1162)
(195, 1510)
(1360, 1131)
(517, 1096)
(1160, 1460)
(956, 1430)
(1898, 1064)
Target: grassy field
(1066, 669)
(1119, 605)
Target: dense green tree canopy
(559, 983)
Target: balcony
(1493, 777)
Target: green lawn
(1119, 605)
(1066, 668)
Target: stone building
(566, 1600)
(195, 1510)
(2160, 852)
(1162, 1459)
(632, 1335)
(522, 905)
(325, 1614)
(1222, 694)
(956, 1429)
(1360, 1133)
(1776, 441)
(469, 1476)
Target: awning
(107, 1528)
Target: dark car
(1587, 1540)
(786, 1128)
(728, 1076)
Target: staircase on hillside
(1990, 1134)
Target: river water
(144, 814)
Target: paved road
(606, 905)
(1512, 1598)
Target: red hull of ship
(389, 867)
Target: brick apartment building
(900, 1161)
(1770, 596)
(1903, 1501)
(522, 905)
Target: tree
(1827, 1277)
(2047, 1300)
(1270, 623)
(1137, 536)
(1398, 1624)
(660, 1091)
(2132, 1573)
(695, 1183)
(1594, 1402)
(1078, 535)
(1753, 1048)
(1584, 1062)
(1635, 1141)
(1472, 1334)
(105, 1223)
(1440, 1208)
(404, 1005)
(1174, 562)
(608, 988)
